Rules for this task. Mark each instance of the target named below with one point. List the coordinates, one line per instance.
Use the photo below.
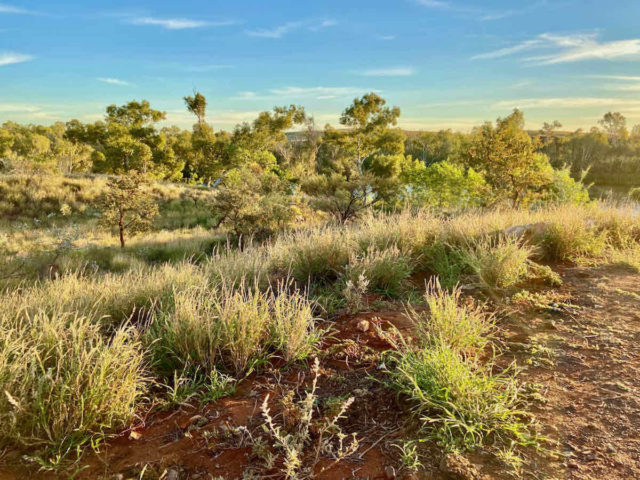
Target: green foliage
(460, 401)
(565, 189)
(462, 326)
(634, 194)
(253, 199)
(128, 206)
(446, 186)
(359, 166)
(506, 156)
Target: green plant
(233, 328)
(461, 326)
(409, 456)
(498, 264)
(460, 403)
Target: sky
(446, 63)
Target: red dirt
(589, 382)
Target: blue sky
(446, 63)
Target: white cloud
(4, 8)
(292, 92)
(281, 30)
(323, 24)
(434, 4)
(503, 52)
(569, 48)
(387, 37)
(114, 81)
(389, 72)
(317, 92)
(277, 32)
(178, 23)
(565, 102)
(15, 107)
(628, 78)
(8, 58)
(207, 68)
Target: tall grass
(235, 329)
(464, 327)
(497, 263)
(63, 381)
(386, 270)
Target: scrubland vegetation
(125, 294)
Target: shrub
(63, 382)
(498, 264)
(573, 238)
(459, 402)
(386, 270)
(445, 262)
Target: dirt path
(590, 378)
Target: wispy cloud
(564, 102)
(389, 72)
(207, 68)
(281, 30)
(17, 107)
(323, 24)
(623, 83)
(434, 4)
(114, 81)
(178, 23)
(386, 37)
(9, 58)
(276, 32)
(569, 48)
(4, 8)
(318, 93)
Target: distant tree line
(266, 177)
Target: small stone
(390, 472)
(135, 435)
(171, 475)
(363, 325)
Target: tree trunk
(121, 230)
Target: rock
(390, 472)
(456, 467)
(135, 435)
(527, 231)
(363, 325)
(171, 474)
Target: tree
(615, 124)
(197, 105)
(359, 167)
(506, 156)
(445, 185)
(253, 198)
(128, 205)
